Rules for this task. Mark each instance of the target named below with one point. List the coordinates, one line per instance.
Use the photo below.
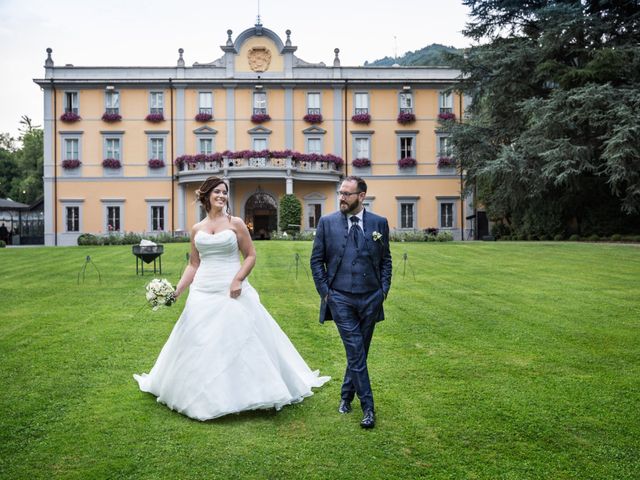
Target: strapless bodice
(219, 260)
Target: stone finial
(229, 41)
(49, 61)
(180, 59)
(336, 61)
(288, 42)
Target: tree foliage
(553, 141)
(21, 168)
(290, 213)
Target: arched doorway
(261, 215)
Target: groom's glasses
(347, 194)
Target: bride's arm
(248, 254)
(190, 271)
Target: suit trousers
(354, 314)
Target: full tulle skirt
(226, 356)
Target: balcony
(406, 110)
(191, 168)
(313, 111)
(362, 111)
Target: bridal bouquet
(160, 293)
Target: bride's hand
(236, 289)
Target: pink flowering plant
(406, 117)
(155, 163)
(155, 117)
(70, 117)
(313, 118)
(113, 163)
(407, 162)
(260, 117)
(361, 118)
(111, 117)
(446, 162)
(361, 162)
(71, 164)
(203, 117)
(446, 116)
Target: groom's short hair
(362, 185)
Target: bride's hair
(202, 193)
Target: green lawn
(496, 361)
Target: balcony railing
(406, 110)
(268, 163)
(259, 111)
(446, 110)
(112, 110)
(205, 110)
(313, 111)
(156, 110)
(362, 111)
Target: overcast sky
(140, 32)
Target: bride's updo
(204, 191)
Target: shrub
(408, 236)
(112, 239)
(3, 244)
(130, 238)
(500, 230)
(532, 237)
(545, 237)
(559, 237)
(89, 239)
(616, 237)
(444, 236)
(635, 238)
(306, 235)
(521, 237)
(574, 238)
(281, 236)
(290, 214)
(594, 238)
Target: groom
(351, 265)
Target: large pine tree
(552, 144)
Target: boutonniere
(376, 236)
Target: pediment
(314, 130)
(205, 130)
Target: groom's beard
(347, 209)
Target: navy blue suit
(353, 277)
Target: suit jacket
(328, 249)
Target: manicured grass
(496, 361)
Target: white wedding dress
(226, 355)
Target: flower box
(260, 117)
(71, 164)
(361, 118)
(407, 162)
(155, 117)
(203, 117)
(446, 116)
(361, 162)
(155, 163)
(111, 117)
(446, 162)
(70, 117)
(406, 117)
(313, 118)
(113, 163)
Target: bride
(226, 354)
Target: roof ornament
(288, 42)
(49, 61)
(180, 59)
(229, 41)
(336, 61)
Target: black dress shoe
(345, 406)
(368, 420)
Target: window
(157, 148)
(446, 215)
(314, 145)
(205, 102)
(362, 103)
(157, 218)
(113, 219)
(313, 103)
(259, 103)
(71, 150)
(71, 102)
(112, 102)
(112, 148)
(362, 148)
(444, 146)
(157, 102)
(406, 147)
(73, 219)
(315, 212)
(406, 215)
(406, 102)
(446, 102)
(259, 144)
(205, 145)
